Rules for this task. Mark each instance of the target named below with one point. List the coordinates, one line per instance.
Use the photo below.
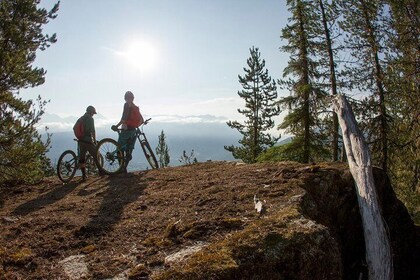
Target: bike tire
(148, 153)
(67, 166)
(109, 151)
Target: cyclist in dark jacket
(88, 142)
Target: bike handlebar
(114, 128)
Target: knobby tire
(67, 166)
(110, 155)
(148, 153)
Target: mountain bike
(68, 164)
(113, 153)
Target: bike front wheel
(67, 166)
(148, 152)
(110, 155)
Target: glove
(114, 127)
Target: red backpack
(79, 128)
(134, 117)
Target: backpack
(79, 128)
(134, 117)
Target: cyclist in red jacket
(130, 120)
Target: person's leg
(92, 151)
(122, 141)
(82, 158)
(126, 142)
(130, 147)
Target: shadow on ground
(46, 199)
(120, 192)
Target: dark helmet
(129, 95)
(91, 110)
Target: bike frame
(113, 153)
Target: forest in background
(367, 50)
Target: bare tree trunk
(303, 53)
(378, 250)
(333, 79)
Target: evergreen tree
(162, 151)
(22, 151)
(328, 14)
(402, 78)
(303, 119)
(260, 94)
(364, 40)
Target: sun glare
(140, 55)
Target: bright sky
(178, 57)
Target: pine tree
(364, 40)
(402, 78)
(303, 120)
(260, 94)
(22, 151)
(162, 151)
(328, 14)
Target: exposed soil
(141, 225)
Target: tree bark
(378, 250)
(333, 79)
(303, 53)
(383, 131)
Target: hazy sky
(178, 57)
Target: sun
(141, 55)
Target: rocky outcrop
(214, 220)
(315, 232)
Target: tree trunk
(378, 251)
(383, 133)
(333, 80)
(303, 52)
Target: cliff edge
(213, 220)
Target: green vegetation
(367, 50)
(162, 151)
(286, 152)
(22, 151)
(259, 93)
(188, 159)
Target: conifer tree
(260, 94)
(303, 120)
(162, 150)
(402, 78)
(22, 151)
(328, 14)
(364, 40)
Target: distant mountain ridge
(205, 134)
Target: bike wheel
(148, 152)
(110, 155)
(67, 166)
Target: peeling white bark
(378, 250)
